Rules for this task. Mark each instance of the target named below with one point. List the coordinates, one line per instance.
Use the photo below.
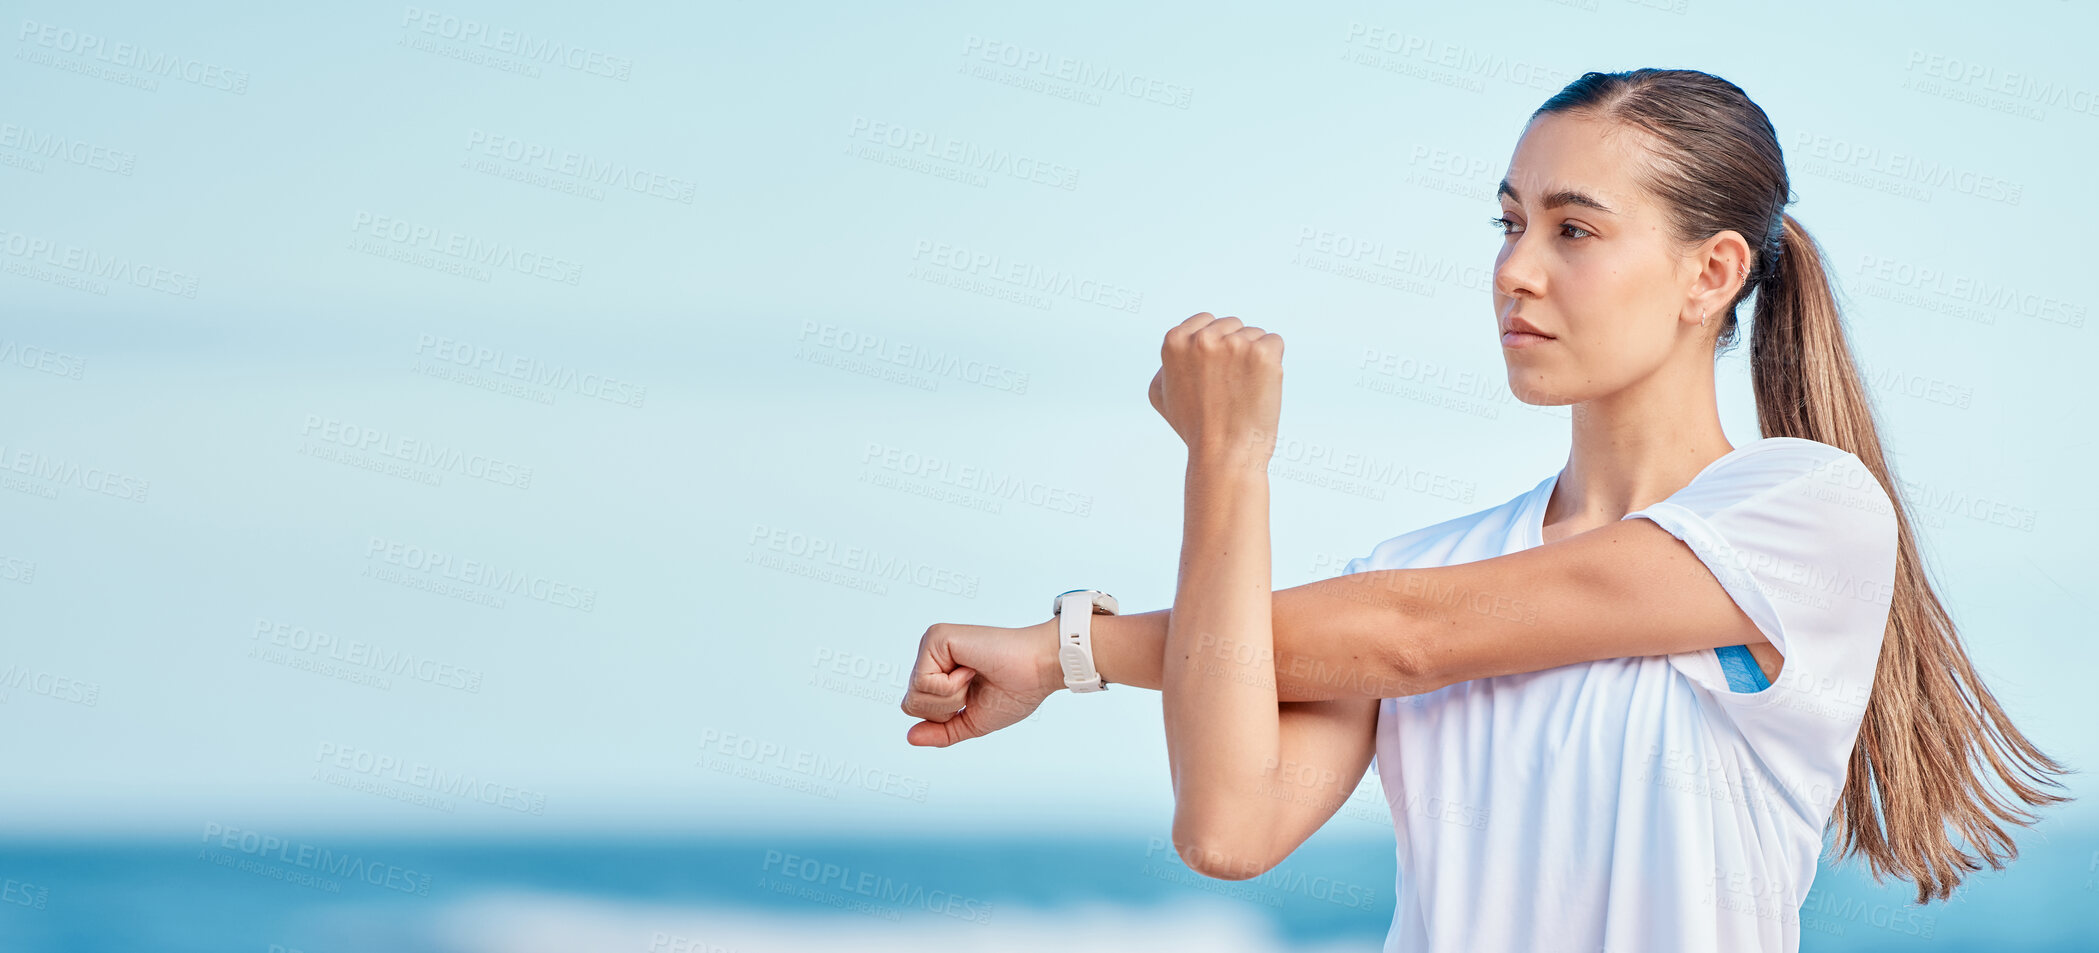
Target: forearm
(1331, 640)
(1218, 683)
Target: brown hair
(1714, 160)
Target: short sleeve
(1400, 552)
(1803, 537)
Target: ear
(1720, 268)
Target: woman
(1596, 731)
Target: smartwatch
(1075, 636)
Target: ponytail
(1930, 716)
(1800, 365)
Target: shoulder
(1784, 457)
(1475, 535)
(1795, 520)
(1786, 471)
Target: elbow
(1411, 675)
(1407, 663)
(1388, 631)
(1220, 852)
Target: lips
(1519, 333)
(1519, 326)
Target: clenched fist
(972, 680)
(1220, 385)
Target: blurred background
(473, 477)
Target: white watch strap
(1075, 611)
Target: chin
(1536, 391)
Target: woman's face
(1588, 259)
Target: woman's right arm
(1323, 750)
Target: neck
(1635, 446)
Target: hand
(972, 680)
(1220, 385)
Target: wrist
(1247, 453)
(1049, 670)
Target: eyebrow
(1557, 198)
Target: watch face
(1057, 604)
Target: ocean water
(241, 891)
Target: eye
(1512, 227)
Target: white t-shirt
(1657, 803)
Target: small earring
(1701, 318)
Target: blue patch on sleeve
(1743, 674)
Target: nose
(1517, 271)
